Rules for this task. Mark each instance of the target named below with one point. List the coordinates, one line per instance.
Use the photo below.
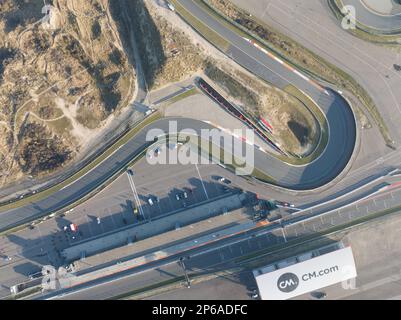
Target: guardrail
(110, 138)
(235, 112)
(45, 215)
(335, 8)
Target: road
(324, 169)
(211, 258)
(338, 113)
(336, 217)
(313, 24)
(384, 23)
(222, 255)
(26, 247)
(377, 257)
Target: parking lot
(111, 209)
(144, 196)
(183, 187)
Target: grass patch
(323, 125)
(208, 33)
(365, 32)
(80, 201)
(217, 16)
(232, 85)
(259, 99)
(309, 103)
(48, 192)
(60, 126)
(183, 96)
(304, 60)
(232, 163)
(259, 175)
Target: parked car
(217, 178)
(35, 275)
(224, 180)
(73, 227)
(285, 204)
(318, 295)
(255, 294)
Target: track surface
(382, 23)
(324, 169)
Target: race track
(329, 165)
(383, 23)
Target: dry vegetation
(304, 58)
(168, 54)
(171, 54)
(290, 48)
(295, 127)
(60, 79)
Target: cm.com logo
(287, 282)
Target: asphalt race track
(339, 115)
(380, 22)
(329, 165)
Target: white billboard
(307, 276)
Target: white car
(224, 180)
(150, 201)
(255, 296)
(170, 6)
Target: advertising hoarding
(307, 276)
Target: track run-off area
(329, 165)
(368, 15)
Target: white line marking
(132, 184)
(79, 178)
(203, 185)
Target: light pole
(182, 264)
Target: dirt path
(79, 131)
